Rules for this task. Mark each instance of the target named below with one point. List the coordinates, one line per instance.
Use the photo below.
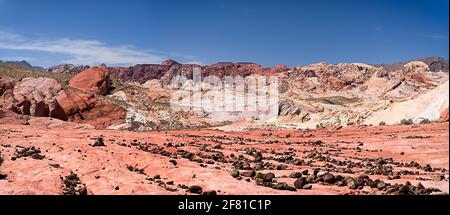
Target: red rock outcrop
(444, 116)
(10, 118)
(45, 97)
(68, 69)
(322, 77)
(86, 108)
(6, 84)
(94, 80)
(74, 104)
(103, 115)
(6, 93)
(168, 69)
(36, 96)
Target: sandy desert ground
(406, 159)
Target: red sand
(71, 149)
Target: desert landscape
(341, 129)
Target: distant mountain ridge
(25, 64)
(435, 64)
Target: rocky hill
(312, 96)
(435, 64)
(24, 63)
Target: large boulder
(36, 96)
(86, 108)
(73, 104)
(6, 84)
(6, 93)
(169, 69)
(288, 107)
(416, 66)
(94, 79)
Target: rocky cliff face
(36, 96)
(67, 69)
(94, 80)
(323, 77)
(319, 94)
(436, 64)
(169, 69)
(45, 97)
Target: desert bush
(320, 126)
(406, 122)
(381, 123)
(425, 121)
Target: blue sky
(50, 32)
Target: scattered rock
(381, 185)
(351, 183)
(329, 178)
(311, 178)
(235, 173)
(428, 168)
(249, 173)
(174, 162)
(195, 189)
(72, 185)
(307, 187)
(268, 177)
(437, 177)
(283, 186)
(258, 157)
(98, 142)
(295, 175)
(210, 193)
(136, 169)
(299, 183)
(55, 165)
(259, 181)
(28, 152)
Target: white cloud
(91, 52)
(28, 59)
(193, 62)
(10, 36)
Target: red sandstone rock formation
(444, 115)
(86, 108)
(94, 80)
(6, 93)
(36, 96)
